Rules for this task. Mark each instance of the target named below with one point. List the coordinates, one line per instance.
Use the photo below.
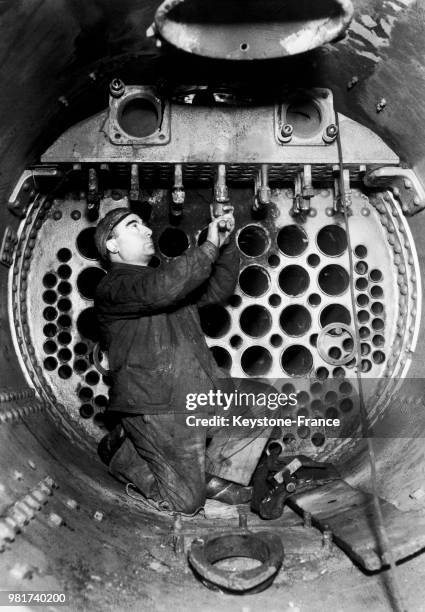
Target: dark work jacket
(150, 326)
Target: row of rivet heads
(21, 324)
(12, 396)
(10, 415)
(24, 510)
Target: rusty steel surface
(231, 30)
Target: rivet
(98, 516)
(55, 519)
(72, 503)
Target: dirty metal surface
(348, 513)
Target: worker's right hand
(216, 235)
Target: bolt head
(332, 130)
(116, 88)
(287, 130)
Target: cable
(387, 553)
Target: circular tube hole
(294, 280)
(316, 388)
(338, 372)
(288, 439)
(322, 373)
(314, 299)
(313, 260)
(303, 432)
(173, 242)
(376, 276)
(50, 364)
(138, 117)
(378, 324)
(215, 320)
(276, 340)
(378, 357)
(64, 354)
(361, 284)
(378, 340)
(64, 271)
(295, 320)
(80, 348)
(331, 397)
(255, 321)
(85, 394)
(360, 251)
(363, 316)
(345, 388)
(236, 341)
(346, 404)
(275, 300)
(364, 332)
(313, 339)
(222, 357)
(273, 260)
(80, 366)
(377, 308)
(50, 330)
(50, 313)
(92, 378)
(362, 300)
(50, 347)
(348, 345)
(288, 388)
(87, 324)
(332, 240)
(256, 361)
(376, 292)
(297, 360)
(64, 304)
(64, 255)
(88, 280)
(64, 337)
(361, 267)
(333, 280)
(334, 352)
(64, 288)
(331, 413)
(86, 244)
(366, 365)
(303, 398)
(318, 439)
(235, 301)
(364, 349)
(64, 321)
(86, 411)
(49, 280)
(49, 296)
(292, 240)
(65, 372)
(253, 241)
(101, 401)
(334, 313)
(254, 281)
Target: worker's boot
(225, 491)
(110, 443)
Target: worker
(157, 352)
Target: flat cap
(105, 227)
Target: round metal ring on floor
(265, 547)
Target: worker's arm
(221, 284)
(133, 292)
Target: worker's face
(131, 241)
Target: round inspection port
(138, 117)
(50, 364)
(333, 280)
(297, 360)
(377, 308)
(49, 296)
(292, 240)
(92, 378)
(254, 281)
(376, 276)
(255, 321)
(222, 357)
(314, 299)
(256, 361)
(332, 240)
(295, 320)
(362, 300)
(275, 300)
(88, 280)
(335, 313)
(313, 260)
(236, 342)
(86, 245)
(173, 242)
(273, 260)
(294, 280)
(360, 251)
(253, 241)
(361, 267)
(64, 255)
(64, 337)
(49, 280)
(322, 373)
(86, 411)
(64, 288)
(50, 330)
(87, 324)
(215, 320)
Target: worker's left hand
(228, 220)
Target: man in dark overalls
(157, 355)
